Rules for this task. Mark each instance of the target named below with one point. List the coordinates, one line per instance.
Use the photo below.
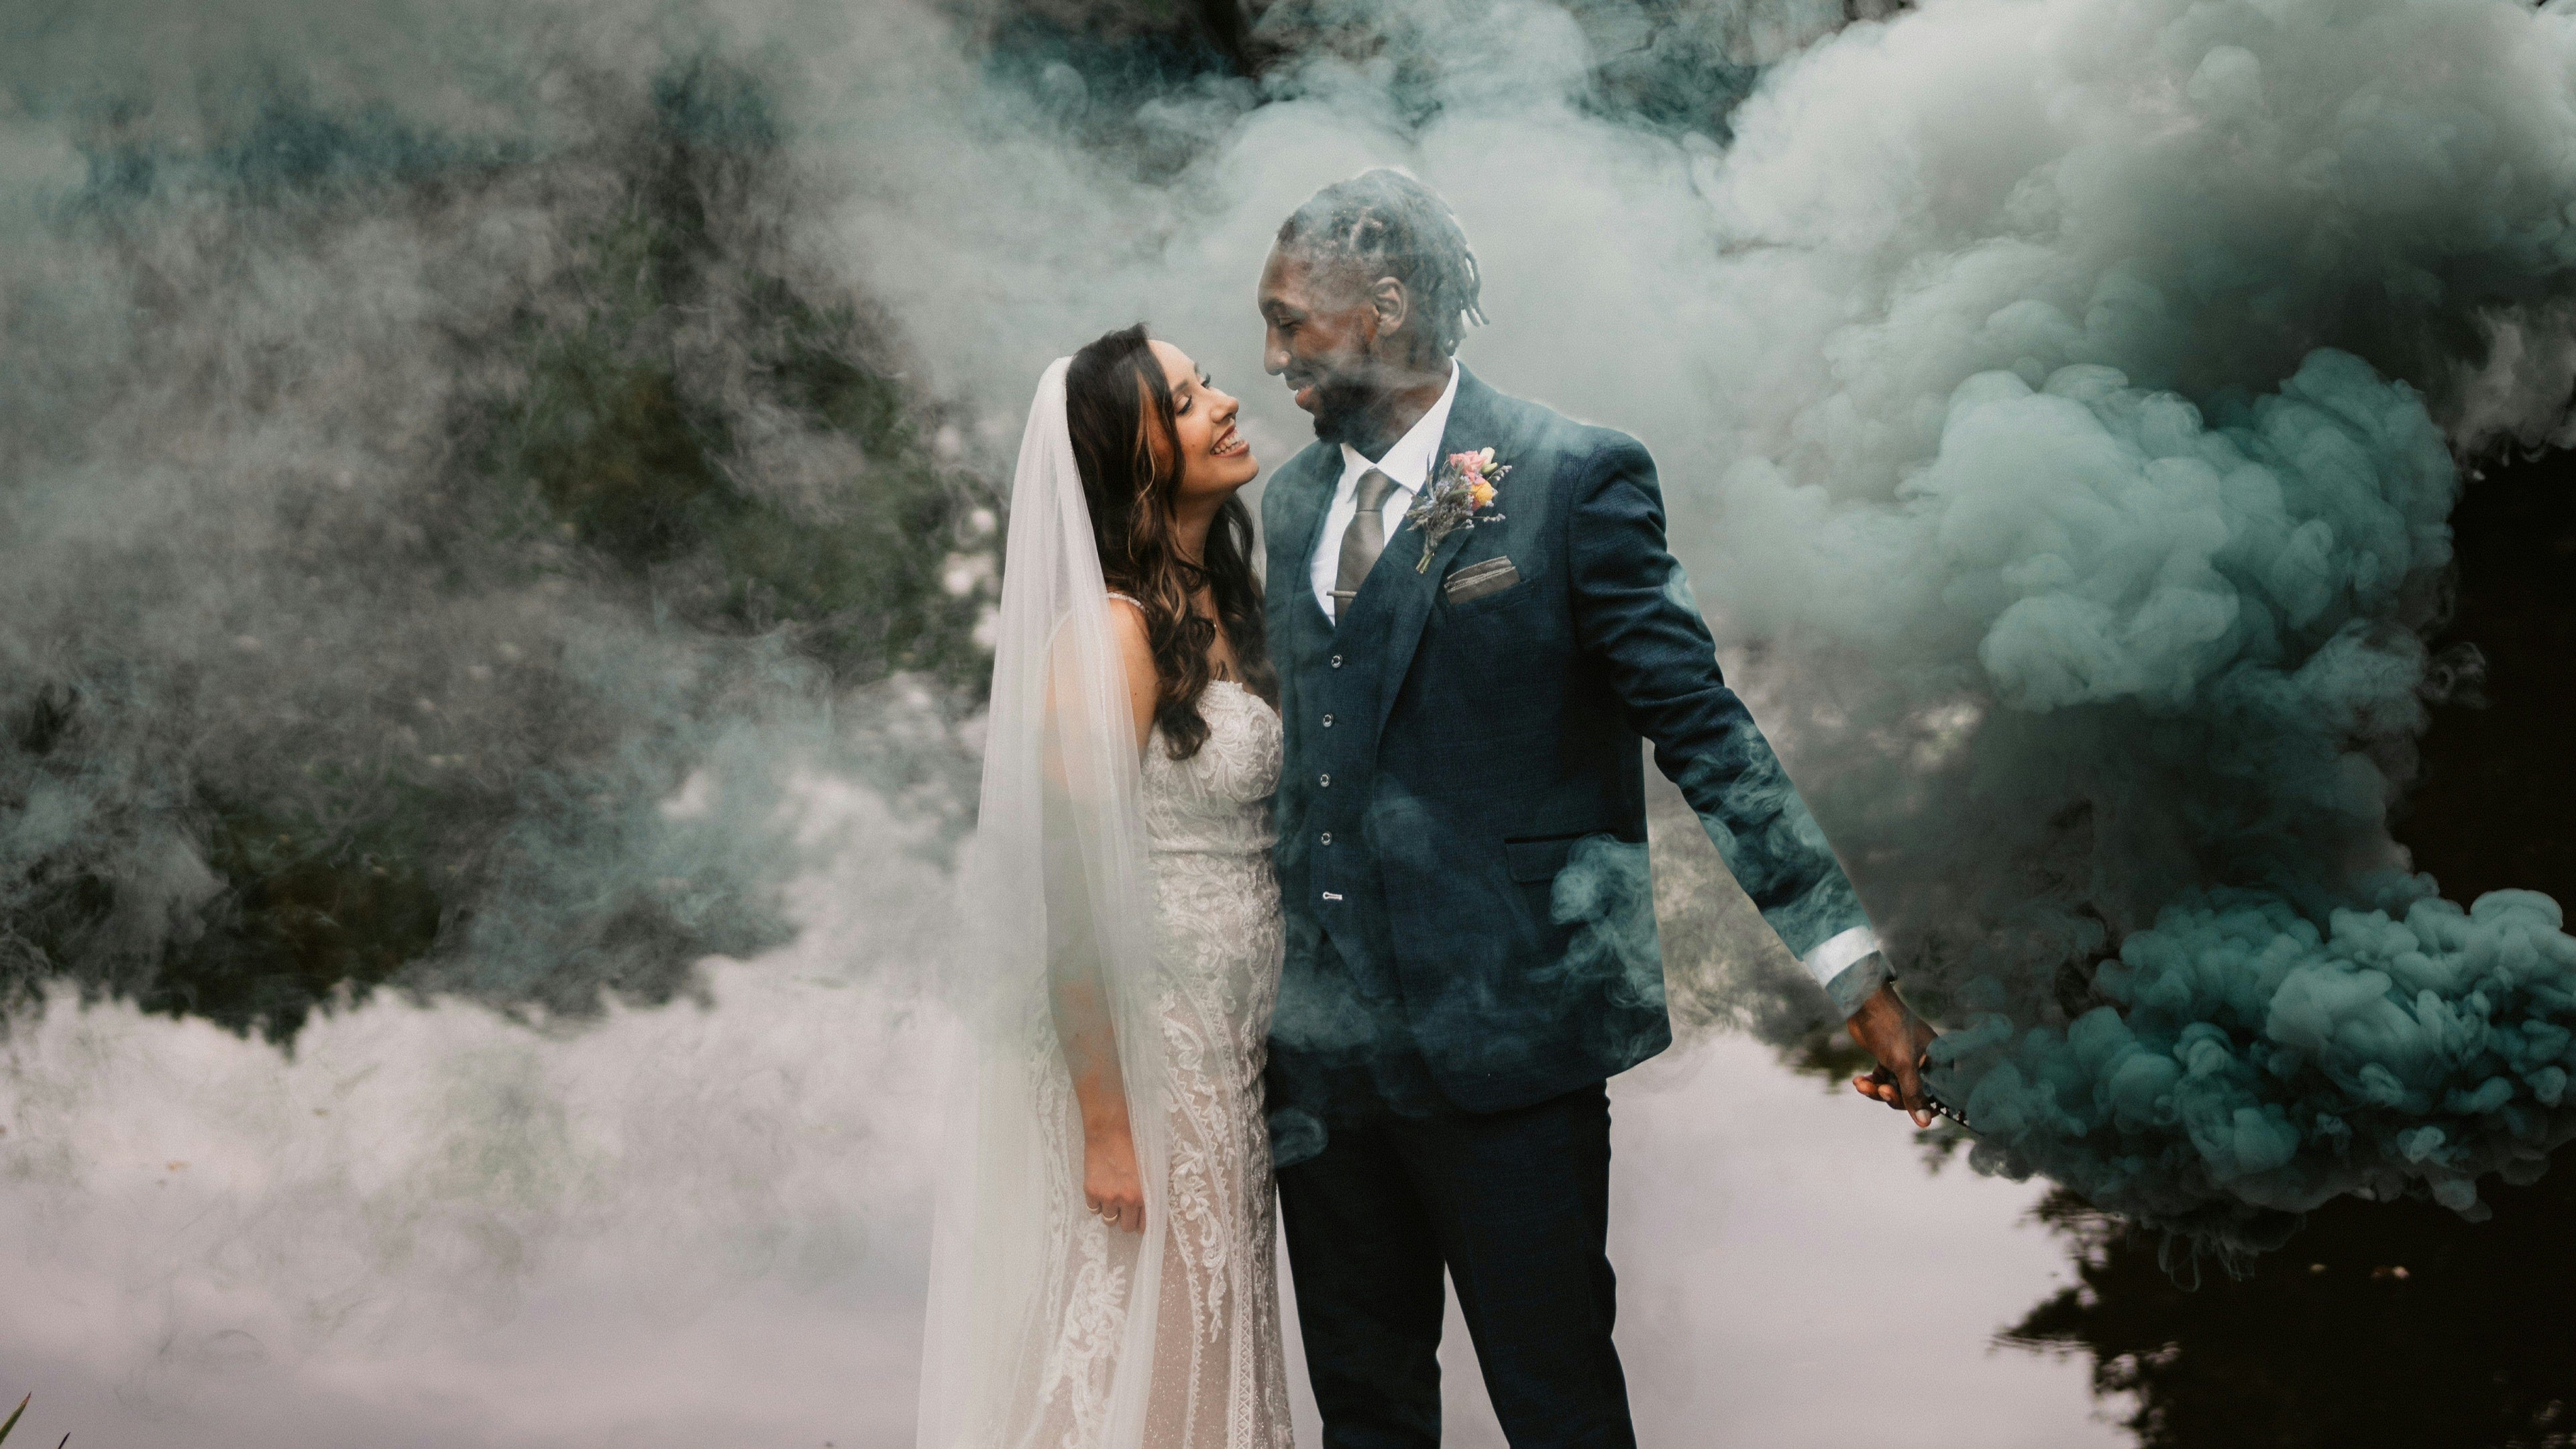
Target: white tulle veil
(1057, 905)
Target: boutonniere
(1466, 484)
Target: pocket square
(1476, 580)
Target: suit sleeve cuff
(1850, 966)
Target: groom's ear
(1392, 303)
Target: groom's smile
(1347, 336)
(1320, 340)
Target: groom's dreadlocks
(1387, 224)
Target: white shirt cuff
(1838, 952)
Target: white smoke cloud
(504, 1233)
(435, 1227)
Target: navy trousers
(1516, 1207)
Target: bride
(1103, 1275)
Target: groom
(1462, 837)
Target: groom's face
(1321, 335)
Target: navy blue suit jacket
(1462, 817)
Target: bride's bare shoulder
(1126, 619)
(1136, 654)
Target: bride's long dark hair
(1113, 393)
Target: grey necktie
(1363, 541)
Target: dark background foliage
(591, 446)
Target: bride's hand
(1111, 1185)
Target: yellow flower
(1481, 494)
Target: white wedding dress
(1118, 904)
(1218, 1374)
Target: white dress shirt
(1838, 954)
(1408, 463)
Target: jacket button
(1328, 837)
(1337, 661)
(1328, 721)
(1324, 781)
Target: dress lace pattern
(1219, 1377)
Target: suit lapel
(1316, 497)
(1475, 421)
(1309, 497)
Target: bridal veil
(1058, 955)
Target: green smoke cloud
(2123, 500)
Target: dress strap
(1215, 671)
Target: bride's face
(1215, 460)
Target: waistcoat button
(1337, 661)
(1328, 721)
(1324, 781)
(1328, 837)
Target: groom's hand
(1890, 1031)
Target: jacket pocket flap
(1533, 860)
(1475, 581)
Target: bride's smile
(1216, 458)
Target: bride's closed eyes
(1215, 457)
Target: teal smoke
(2212, 608)
(2113, 528)
(2242, 1051)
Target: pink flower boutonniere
(1466, 483)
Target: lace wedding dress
(1119, 909)
(1218, 1377)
